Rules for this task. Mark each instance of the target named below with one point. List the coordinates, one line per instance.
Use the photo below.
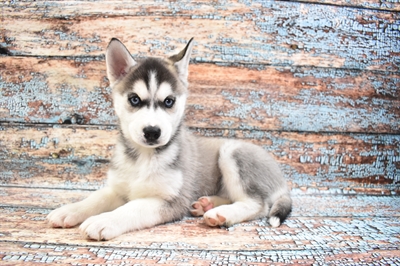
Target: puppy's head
(149, 96)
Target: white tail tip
(274, 221)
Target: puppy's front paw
(101, 227)
(201, 206)
(66, 216)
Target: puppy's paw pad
(214, 220)
(274, 221)
(201, 206)
(211, 221)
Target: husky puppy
(160, 172)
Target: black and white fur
(160, 172)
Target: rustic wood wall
(315, 82)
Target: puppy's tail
(280, 210)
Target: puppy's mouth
(154, 145)
(151, 143)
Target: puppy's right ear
(118, 60)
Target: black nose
(151, 134)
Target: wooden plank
(85, 173)
(39, 197)
(304, 205)
(77, 157)
(303, 233)
(273, 33)
(17, 252)
(71, 9)
(370, 4)
(57, 142)
(288, 99)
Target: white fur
(140, 88)
(230, 171)
(164, 91)
(70, 215)
(147, 177)
(136, 214)
(148, 117)
(236, 212)
(134, 191)
(153, 83)
(274, 221)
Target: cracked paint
(266, 32)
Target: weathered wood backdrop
(317, 83)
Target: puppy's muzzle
(151, 134)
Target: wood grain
(71, 9)
(286, 99)
(17, 253)
(274, 33)
(371, 4)
(339, 163)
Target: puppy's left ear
(181, 61)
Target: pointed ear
(181, 60)
(118, 60)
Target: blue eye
(134, 100)
(169, 102)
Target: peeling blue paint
(36, 101)
(74, 37)
(313, 110)
(360, 38)
(72, 172)
(319, 31)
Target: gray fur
(259, 173)
(141, 72)
(130, 151)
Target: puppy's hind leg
(245, 206)
(239, 211)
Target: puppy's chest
(146, 177)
